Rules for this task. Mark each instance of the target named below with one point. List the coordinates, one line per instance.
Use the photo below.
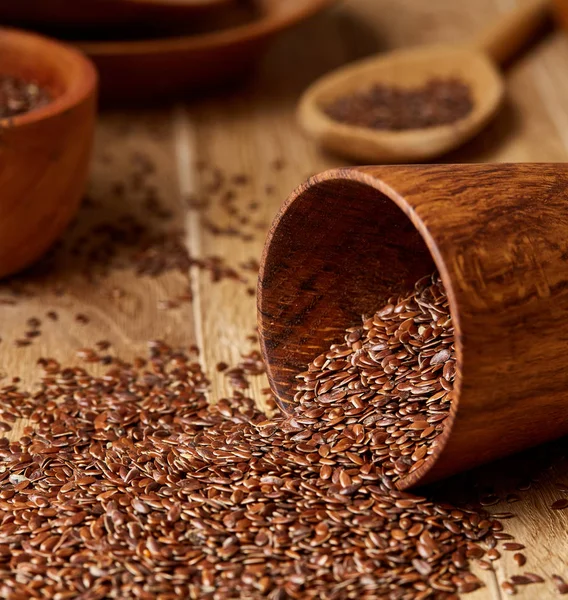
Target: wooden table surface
(250, 135)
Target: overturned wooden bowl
(44, 154)
(349, 238)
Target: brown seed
(560, 584)
(560, 504)
(513, 546)
(493, 554)
(520, 559)
(508, 588)
(520, 580)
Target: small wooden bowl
(44, 154)
(349, 238)
(168, 66)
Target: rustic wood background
(252, 131)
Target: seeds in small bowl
(18, 97)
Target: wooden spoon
(475, 64)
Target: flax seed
(163, 495)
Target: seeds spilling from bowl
(18, 96)
(391, 381)
(437, 102)
(130, 484)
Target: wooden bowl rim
(217, 39)
(76, 91)
(176, 3)
(364, 176)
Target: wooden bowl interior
(337, 251)
(59, 69)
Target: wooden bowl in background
(561, 12)
(88, 14)
(165, 66)
(44, 154)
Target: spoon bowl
(406, 69)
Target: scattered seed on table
(560, 584)
(509, 588)
(520, 559)
(510, 546)
(520, 580)
(501, 535)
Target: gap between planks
(185, 151)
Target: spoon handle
(502, 40)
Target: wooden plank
(252, 132)
(122, 307)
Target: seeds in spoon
(381, 106)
